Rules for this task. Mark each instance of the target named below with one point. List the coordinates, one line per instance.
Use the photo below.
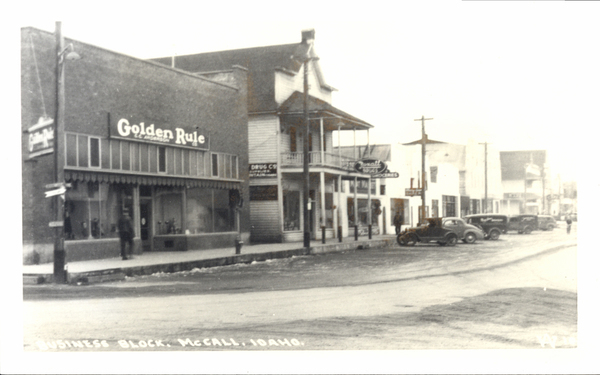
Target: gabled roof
(420, 141)
(334, 117)
(261, 62)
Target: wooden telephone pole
(423, 142)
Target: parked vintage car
(492, 224)
(546, 222)
(523, 223)
(466, 232)
(430, 231)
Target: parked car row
(449, 230)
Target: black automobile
(546, 222)
(492, 224)
(432, 230)
(523, 223)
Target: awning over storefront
(149, 180)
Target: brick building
(164, 145)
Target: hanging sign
(411, 192)
(370, 166)
(41, 137)
(386, 175)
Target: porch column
(322, 178)
(355, 201)
(354, 150)
(322, 141)
(183, 209)
(339, 201)
(369, 221)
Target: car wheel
(470, 238)
(527, 230)
(550, 227)
(451, 240)
(494, 235)
(407, 240)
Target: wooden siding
(262, 139)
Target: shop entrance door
(145, 220)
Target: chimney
(308, 36)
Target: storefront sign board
(166, 134)
(263, 170)
(386, 175)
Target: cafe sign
(157, 134)
(370, 166)
(41, 137)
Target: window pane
(177, 157)
(82, 142)
(194, 163)
(222, 165)
(144, 158)
(71, 150)
(94, 152)
(162, 159)
(153, 158)
(227, 166)
(215, 164)
(170, 161)
(186, 162)
(201, 164)
(135, 156)
(116, 154)
(125, 156)
(235, 166)
(105, 151)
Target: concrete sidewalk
(91, 271)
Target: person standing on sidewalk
(569, 222)
(398, 222)
(126, 236)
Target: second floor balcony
(316, 158)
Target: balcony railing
(296, 159)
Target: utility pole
(485, 199)
(307, 38)
(423, 142)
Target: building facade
(525, 181)
(167, 147)
(276, 135)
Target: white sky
(520, 75)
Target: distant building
(525, 181)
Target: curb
(120, 273)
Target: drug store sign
(149, 132)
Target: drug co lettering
(156, 134)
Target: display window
(291, 210)
(92, 209)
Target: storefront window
(449, 205)
(199, 215)
(224, 214)
(291, 210)
(168, 210)
(92, 210)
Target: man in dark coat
(398, 222)
(126, 235)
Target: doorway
(145, 224)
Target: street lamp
(60, 275)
